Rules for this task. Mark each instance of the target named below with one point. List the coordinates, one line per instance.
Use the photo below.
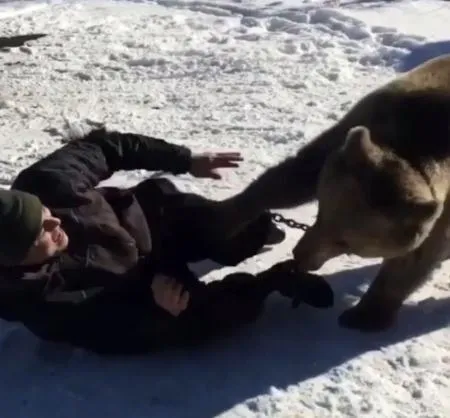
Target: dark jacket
(110, 240)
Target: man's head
(371, 204)
(29, 234)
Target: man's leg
(219, 308)
(190, 235)
(179, 226)
(129, 322)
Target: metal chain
(278, 217)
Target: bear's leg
(396, 280)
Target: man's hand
(206, 165)
(169, 294)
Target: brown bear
(381, 176)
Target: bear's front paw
(366, 320)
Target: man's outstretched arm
(82, 164)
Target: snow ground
(261, 78)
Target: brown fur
(381, 176)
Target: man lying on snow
(106, 268)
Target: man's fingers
(177, 290)
(224, 159)
(178, 295)
(180, 301)
(169, 294)
(176, 308)
(215, 175)
(228, 155)
(173, 284)
(158, 283)
(184, 300)
(224, 164)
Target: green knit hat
(20, 224)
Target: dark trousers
(181, 232)
(129, 322)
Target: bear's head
(371, 203)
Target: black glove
(308, 288)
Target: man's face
(51, 241)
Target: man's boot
(299, 286)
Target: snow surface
(262, 78)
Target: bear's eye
(340, 243)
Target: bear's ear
(359, 147)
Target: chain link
(278, 217)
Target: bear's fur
(381, 176)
